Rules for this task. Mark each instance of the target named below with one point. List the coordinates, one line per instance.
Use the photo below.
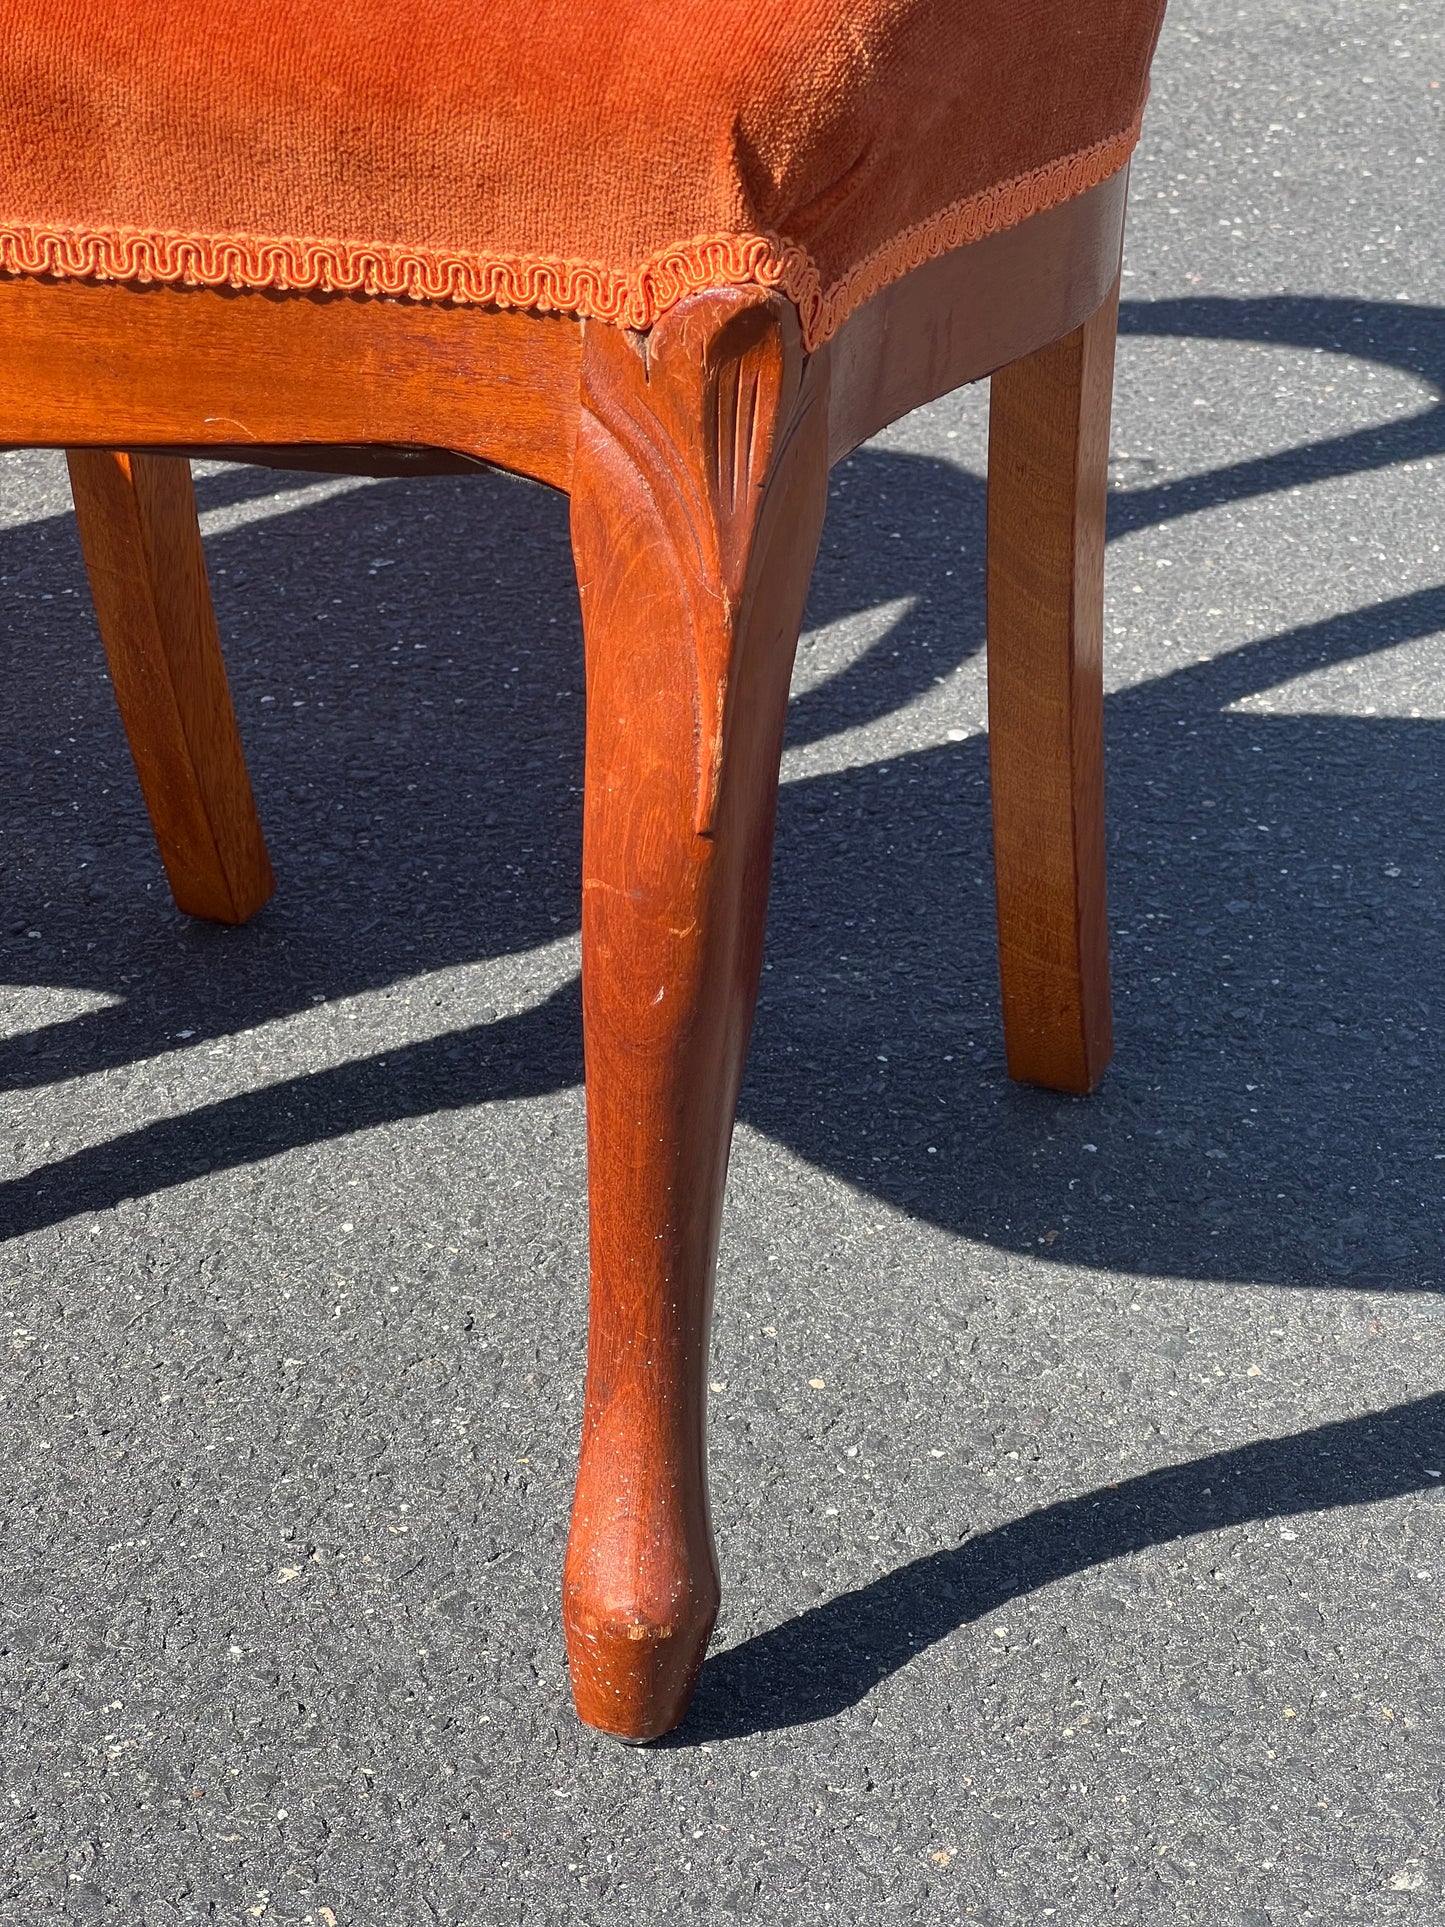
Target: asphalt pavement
(1077, 1464)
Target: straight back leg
(698, 497)
(1047, 461)
(137, 520)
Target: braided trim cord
(631, 298)
(971, 219)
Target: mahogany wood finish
(105, 364)
(697, 459)
(958, 318)
(697, 503)
(1047, 460)
(137, 521)
(258, 377)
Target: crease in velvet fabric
(600, 159)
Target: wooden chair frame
(696, 457)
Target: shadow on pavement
(825, 1660)
(413, 715)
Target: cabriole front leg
(698, 499)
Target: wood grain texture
(1047, 464)
(698, 497)
(137, 520)
(86, 364)
(958, 318)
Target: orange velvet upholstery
(599, 157)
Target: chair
(676, 262)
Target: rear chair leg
(137, 519)
(1048, 452)
(698, 495)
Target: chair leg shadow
(817, 1665)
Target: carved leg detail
(1048, 452)
(698, 499)
(137, 519)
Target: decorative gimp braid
(634, 298)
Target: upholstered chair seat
(595, 157)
